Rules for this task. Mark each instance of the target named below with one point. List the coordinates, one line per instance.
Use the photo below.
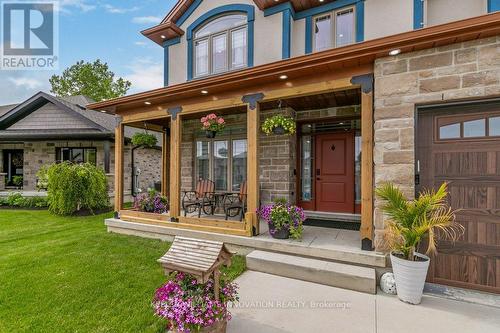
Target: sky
(99, 29)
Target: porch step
(313, 270)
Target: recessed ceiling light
(147, 103)
(283, 77)
(103, 111)
(163, 36)
(321, 0)
(394, 52)
(204, 92)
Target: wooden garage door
(461, 146)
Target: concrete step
(313, 270)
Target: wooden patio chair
(199, 199)
(236, 203)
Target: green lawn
(70, 275)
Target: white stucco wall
(444, 11)
(387, 17)
(267, 39)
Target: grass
(67, 274)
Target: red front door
(335, 172)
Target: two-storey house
(404, 91)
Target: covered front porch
(339, 103)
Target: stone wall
(459, 71)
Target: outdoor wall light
(394, 52)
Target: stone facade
(458, 71)
(39, 153)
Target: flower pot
(279, 130)
(210, 134)
(410, 277)
(218, 327)
(279, 234)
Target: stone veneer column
(436, 75)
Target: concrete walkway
(272, 304)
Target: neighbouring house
(406, 91)
(45, 129)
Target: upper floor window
(221, 45)
(334, 29)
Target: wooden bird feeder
(199, 258)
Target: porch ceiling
(319, 101)
(337, 63)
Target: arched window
(221, 45)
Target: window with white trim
(221, 45)
(334, 29)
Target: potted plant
(284, 220)
(189, 306)
(279, 125)
(212, 124)
(144, 139)
(17, 181)
(409, 222)
(151, 202)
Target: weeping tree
(73, 187)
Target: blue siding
(286, 39)
(309, 34)
(247, 9)
(418, 14)
(360, 21)
(493, 6)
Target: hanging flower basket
(279, 125)
(212, 124)
(144, 139)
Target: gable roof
(169, 27)
(96, 124)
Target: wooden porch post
(164, 163)
(366, 230)
(253, 188)
(119, 143)
(175, 163)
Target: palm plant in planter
(279, 125)
(410, 222)
(212, 124)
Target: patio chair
(236, 203)
(199, 199)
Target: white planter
(410, 277)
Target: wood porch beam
(275, 91)
(119, 144)
(253, 134)
(175, 167)
(164, 163)
(366, 230)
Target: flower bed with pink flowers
(191, 307)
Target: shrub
(72, 187)
(151, 202)
(17, 181)
(144, 139)
(15, 199)
(42, 181)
